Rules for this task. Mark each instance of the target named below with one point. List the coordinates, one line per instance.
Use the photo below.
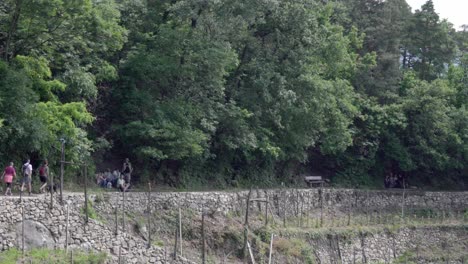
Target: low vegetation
(47, 256)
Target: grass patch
(39, 256)
(91, 212)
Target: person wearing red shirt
(8, 174)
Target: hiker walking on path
(27, 173)
(43, 175)
(8, 174)
(127, 171)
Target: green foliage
(51, 256)
(237, 93)
(91, 212)
(430, 44)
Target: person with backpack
(127, 171)
(43, 175)
(8, 174)
(27, 173)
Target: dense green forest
(222, 93)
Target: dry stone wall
(385, 246)
(289, 202)
(46, 227)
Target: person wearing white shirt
(27, 173)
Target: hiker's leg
(42, 187)
(8, 190)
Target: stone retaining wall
(47, 228)
(291, 201)
(384, 246)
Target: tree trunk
(13, 26)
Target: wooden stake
(120, 254)
(271, 248)
(321, 206)
(62, 160)
(203, 236)
(149, 215)
(175, 242)
(22, 229)
(180, 232)
(266, 211)
(123, 210)
(116, 222)
(51, 190)
(250, 252)
(86, 192)
(403, 202)
(284, 205)
(66, 231)
(246, 225)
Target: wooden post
(308, 209)
(51, 187)
(116, 222)
(180, 232)
(71, 256)
(123, 211)
(266, 210)
(175, 242)
(250, 253)
(66, 231)
(354, 255)
(120, 254)
(22, 229)
(246, 225)
(203, 237)
(62, 160)
(271, 248)
(284, 205)
(321, 206)
(297, 206)
(403, 203)
(86, 192)
(149, 215)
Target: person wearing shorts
(43, 176)
(8, 174)
(27, 173)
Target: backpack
(42, 171)
(24, 168)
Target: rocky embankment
(65, 225)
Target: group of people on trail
(394, 180)
(9, 174)
(117, 179)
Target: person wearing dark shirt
(43, 175)
(127, 171)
